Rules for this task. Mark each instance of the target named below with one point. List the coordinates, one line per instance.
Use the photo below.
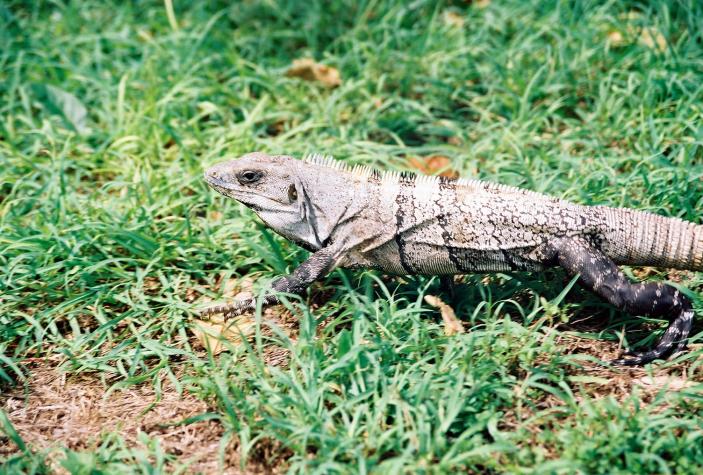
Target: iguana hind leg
(600, 274)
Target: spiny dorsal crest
(328, 161)
(389, 177)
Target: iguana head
(299, 200)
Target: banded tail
(640, 238)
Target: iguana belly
(401, 258)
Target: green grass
(537, 94)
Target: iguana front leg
(600, 274)
(316, 266)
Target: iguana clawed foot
(229, 310)
(317, 265)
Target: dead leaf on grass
(215, 215)
(672, 383)
(453, 19)
(433, 165)
(648, 36)
(644, 272)
(652, 38)
(452, 325)
(230, 287)
(233, 288)
(679, 276)
(192, 295)
(309, 70)
(151, 285)
(615, 38)
(454, 140)
(214, 334)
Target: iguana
(356, 217)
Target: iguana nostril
(213, 173)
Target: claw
(626, 362)
(229, 310)
(680, 347)
(233, 312)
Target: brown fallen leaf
(615, 38)
(309, 70)
(672, 383)
(452, 325)
(231, 285)
(453, 19)
(433, 165)
(151, 285)
(214, 215)
(192, 295)
(644, 272)
(214, 333)
(628, 32)
(652, 38)
(679, 275)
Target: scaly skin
(408, 224)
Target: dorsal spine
(395, 177)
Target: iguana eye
(248, 177)
(292, 193)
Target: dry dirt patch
(594, 381)
(620, 382)
(73, 411)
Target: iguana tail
(639, 238)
